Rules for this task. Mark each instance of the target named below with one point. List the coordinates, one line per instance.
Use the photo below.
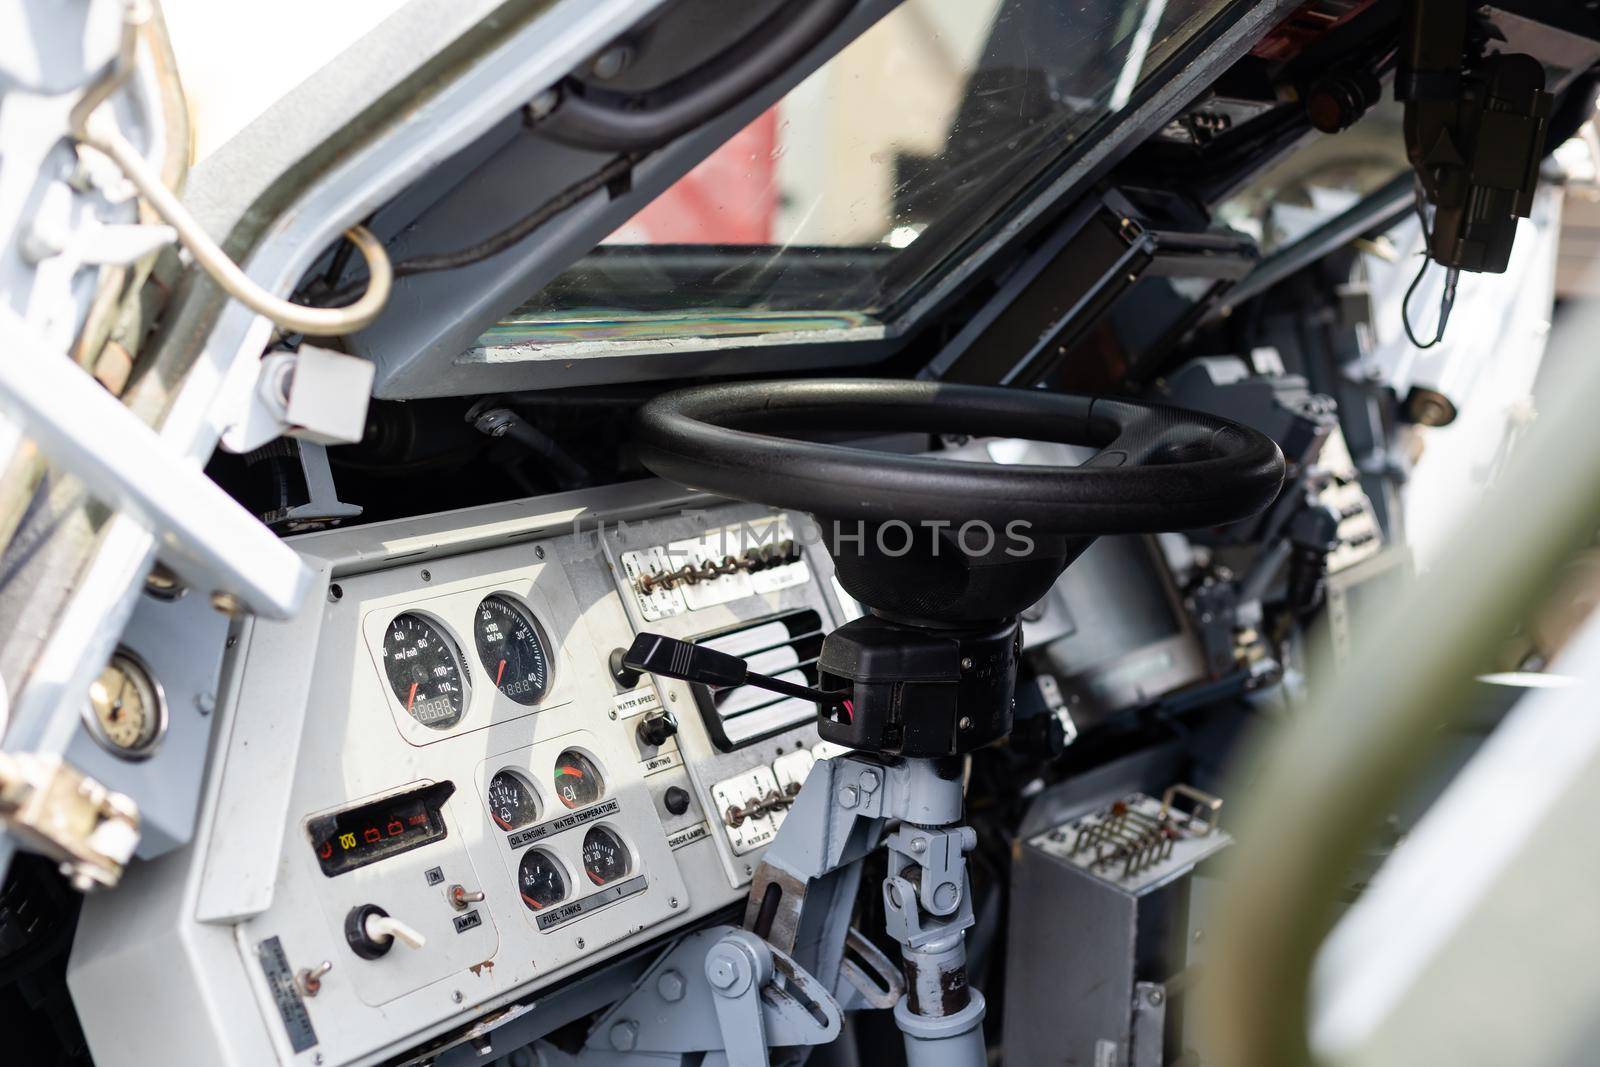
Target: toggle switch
(460, 897)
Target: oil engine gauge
(512, 804)
(126, 713)
(605, 857)
(539, 880)
(512, 648)
(425, 671)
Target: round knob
(372, 932)
(625, 677)
(657, 727)
(675, 800)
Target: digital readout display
(366, 834)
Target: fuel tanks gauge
(539, 880)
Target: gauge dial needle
(534, 904)
(499, 671)
(411, 696)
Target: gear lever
(688, 662)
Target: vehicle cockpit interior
(678, 533)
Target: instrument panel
(439, 795)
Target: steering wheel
(1156, 468)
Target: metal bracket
(323, 507)
(754, 997)
(1147, 1040)
(57, 810)
(204, 533)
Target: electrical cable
(1447, 301)
(498, 242)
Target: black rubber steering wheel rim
(1157, 468)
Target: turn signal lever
(688, 662)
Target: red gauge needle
(499, 671)
(411, 696)
(534, 904)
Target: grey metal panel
(181, 642)
(311, 730)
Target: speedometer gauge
(425, 671)
(512, 649)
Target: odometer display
(512, 649)
(425, 671)
(512, 804)
(605, 857)
(539, 880)
(577, 779)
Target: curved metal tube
(98, 131)
(296, 318)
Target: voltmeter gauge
(425, 671)
(512, 649)
(512, 804)
(126, 712)
(577, 779)
(539, 879)
(605, 857)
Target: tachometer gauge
(125, 712)
(512, 649)
(425, 671)
(577, 779)
(512, 804)
(539, 879)
(605, 857)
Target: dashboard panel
(434, 793)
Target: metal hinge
(55, 809)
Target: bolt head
(869, 781)
(919, 845)
(611, 62)
(721, 973)
(624, 1035)
(544, 103)
(848, 797)
(227, 603)
(1156, 998)
(671, 986)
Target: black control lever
(688, 662)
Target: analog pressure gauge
(126, 712)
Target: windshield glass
(832, 207)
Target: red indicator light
(326, 850)
(420, 819)
(372, 835)
(395, 827)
